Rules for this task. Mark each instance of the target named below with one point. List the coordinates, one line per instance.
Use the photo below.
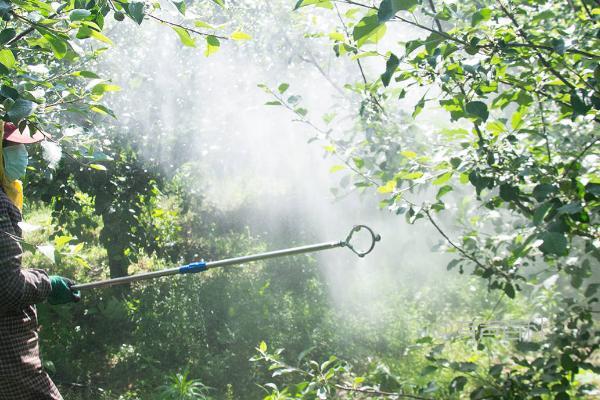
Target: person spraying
(21, 374)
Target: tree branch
(360, 67)
(464, 43)
(164, 21)
(581, 154)
(26, 32)
(539, 55)
(545, 132)
(379, 392)
(459, 249)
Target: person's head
(14, 152)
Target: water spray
(202, 266)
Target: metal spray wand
(203, 266)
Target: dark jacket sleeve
(18, 287)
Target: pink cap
(12, 134)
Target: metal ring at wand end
(375, 237)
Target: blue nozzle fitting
(193, 268)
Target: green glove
(61, 291)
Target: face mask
(15, 161)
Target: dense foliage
(505, 169)
(520, 82)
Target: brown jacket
(20, 289)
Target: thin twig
(539, 55)
(549, 48)
(581, 154)
(312, 61)
(437, 21)
(495, 306)
(587, 10)
(34, 25)
(464, 43)
(26, 32)
(358, 62)
(459, 249)
(164, 21)
(545, 133)
(62, 101)
(379, 392)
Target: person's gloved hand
(61, 291)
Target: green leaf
(180, 5)
(220, 2)
(527, 346)
(425, 340)
(321, 3)
(389, 8)
(567, 362)
(579, 107)
(477, 109)
(443, 190)
(184, 36)
(367, 28)
(464, 366)
(301, 111)
(9, 92)
(79, 14)
(59, 46)
(99, 36)
(571, 208)
(412, 45)
(61, 241)
(542, 212)
(457, 384)
(102, 88)
(543, 190)
(6, 35)
(20, 109)
(202, 24)
(390, 67)
(496, 127)
(428, 370)
(7, 58)
(262, 346)
(481, 15)
(389, 187)
(592, 289)
(517, 120)
(443, 179)
(212, 45)
(554, 243)
(337, 36)
(509, 192)
(86, 74)
(98, 167)
(101, 109)
(135, 11)
(283, 87)
(496, 370)
(418, 107)
(408, 175)
(238, 35)
(509, 289)
(559, 46)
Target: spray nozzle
(357, 228)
